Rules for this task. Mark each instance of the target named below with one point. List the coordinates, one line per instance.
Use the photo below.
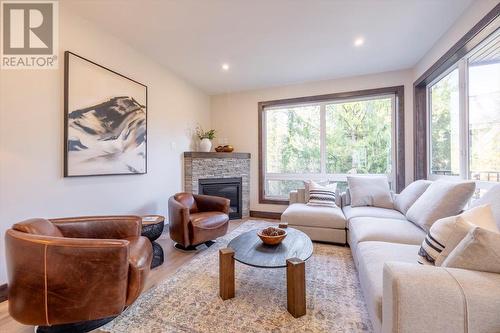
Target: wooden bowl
(271, 240)
(228, 149)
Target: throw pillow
(307, 185)
(370, 191)
(447, 232)
(322, 195)
(478, 251)
(410, 194)
(441, 199)
(491, 197)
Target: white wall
(31, 136)
(235, 116)
(472, 15)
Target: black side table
(152, 227)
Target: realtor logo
(29, 34)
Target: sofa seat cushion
(362, 229)
(372, 256)
(207, 226)
(208, 220)
(352, 212)
(314, 216)
(140, 256)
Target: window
(444, 123)
(326, 140)
(464, 118)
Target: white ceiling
(275, 42)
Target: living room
(233, 166)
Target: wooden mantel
(196, 154)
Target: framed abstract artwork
(105, 120)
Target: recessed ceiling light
(225, 67)
(359, 41)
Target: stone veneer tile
(200, 168)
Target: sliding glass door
(464, 118)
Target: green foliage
(442, 136)
(358, 137)
(201, 134)
(293, 144)
(358, 140)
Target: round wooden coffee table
(291, 253)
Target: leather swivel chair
(195, 219)
(77, 271)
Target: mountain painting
(107, 137)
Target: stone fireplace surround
(198, 165)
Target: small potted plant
(206, 138)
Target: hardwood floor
(173, 260)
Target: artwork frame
(105, 109)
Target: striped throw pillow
(322, 195)
(446, 233)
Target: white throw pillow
(479, 251)
(492, 197)
(322, 195)
(441, 199)
(307, 185)
(410, 194)
(370, 191)
(448, 232)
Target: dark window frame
(398, 91)
(482, 30)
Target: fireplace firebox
(229, 188)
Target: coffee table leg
(296, 287)
(226, 273)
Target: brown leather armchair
(195, 219)
(73, 270)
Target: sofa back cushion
(370, 191)
(38, 226)
(410, 194)
(492, 198)
(441, 199)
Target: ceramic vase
(205, 145)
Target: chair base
(189, 248)
(192, 248)
(158, 256)
(80, 327)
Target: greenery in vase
(210, 134)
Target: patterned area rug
(189, 301)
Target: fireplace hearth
(229, 188)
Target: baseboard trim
(265, 215)
(3, 292)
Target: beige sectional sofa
(402, 295)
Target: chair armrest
(56, 280)
(178, 218)
(208, 203)
(140, 256)
(420, 298)
(103, 227)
